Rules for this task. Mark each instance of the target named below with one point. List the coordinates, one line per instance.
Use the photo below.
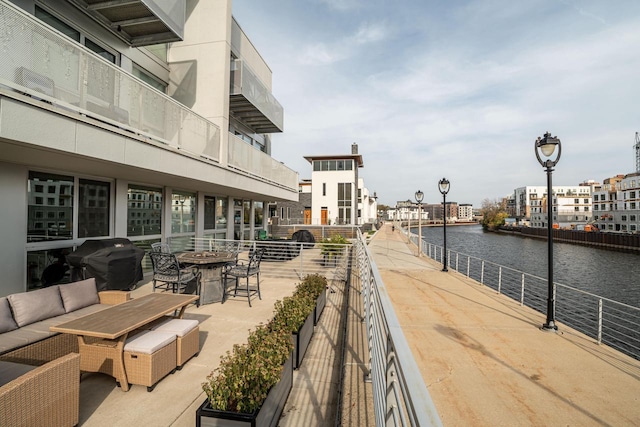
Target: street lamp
(443, 186)
(547, 146)
(419, 197)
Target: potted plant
(315, 286)
(332, 248)
(252, 382)
(295, 314)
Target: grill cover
(115, 263)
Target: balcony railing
(252, 102)
(45, 64)
(250, 160)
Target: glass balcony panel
(267, 115)
(244, 157)
(45, 64)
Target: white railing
(400, 397)
(607, 321)
(252, 161)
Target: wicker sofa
(25, 319)
(40, 369)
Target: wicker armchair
(46, 395)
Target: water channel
(610, 274)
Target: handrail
(400, 396)
(609, 322)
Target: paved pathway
(486, 362)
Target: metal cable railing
(607, 321)
(400, 397)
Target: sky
(457, 89)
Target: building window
(324, 188)
(150, 210)
(183, 216)
(93, 209)
(50, 183)
(344, 203)
(624, 217)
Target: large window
(93, 208)
(344, 203)
(183, 212)
(144, 211)
(50, 207)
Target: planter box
(268, 414)
(320, 304)
(301, 340)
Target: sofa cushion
(6, 319)
(9, 371)
(29, 307)
(149, 342)
(79, 294)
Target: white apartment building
(465, 212)
(367, 204)
(616, 204)
(131, 119)
(335, 191)
(571, 206)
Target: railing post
(499, 279)
(522, 291)
(457, 261)
(482, 273)
(468, 265)
(599, 321)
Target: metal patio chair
(174, 277)
(161, 247)
(245, 270)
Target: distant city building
(616, 204)
(465, 212)
(571, 206)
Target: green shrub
(246, 374)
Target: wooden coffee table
(102, 335)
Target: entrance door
(307, 216)
(324, 216)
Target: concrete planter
(268, 414)
(301, 340)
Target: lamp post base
(445, 269)
(549, 327)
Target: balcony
(250, 160)
(252, 103)
(138, 22)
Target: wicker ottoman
(188, 337)
(149, 357)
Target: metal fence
(286, 258)
(607, 321)
(400, 397)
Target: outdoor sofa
(40, 369)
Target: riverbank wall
(610, 241)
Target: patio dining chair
(244, 270)
(161, 247)
(169, 275)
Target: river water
(610, 274)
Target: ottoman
(149, 357)
(188, 338)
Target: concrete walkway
(486, 362)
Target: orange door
(307, 216)
(324, 216)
